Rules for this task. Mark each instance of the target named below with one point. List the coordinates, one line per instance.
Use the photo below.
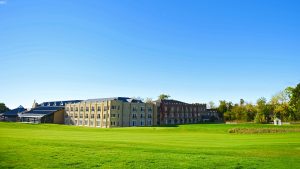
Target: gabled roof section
(123, 99)
(58, 103)
(47, 108)
(169, 101)
(41, 111)
(15, 111)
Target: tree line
(284, 105)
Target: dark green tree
(3, 108)
(163, 96)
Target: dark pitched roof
(14, 112)
(123, 99)
(58, 103)
(41, 111)
(47, 108)
(170, 101)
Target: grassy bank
(185, 146)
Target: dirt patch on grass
(261, 130)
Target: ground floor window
(149, 122)
(92, 123)
(98, 123)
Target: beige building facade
(111, 112)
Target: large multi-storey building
(111, 112)
(176, 112)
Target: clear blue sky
(196, 51)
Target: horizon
(194, 51)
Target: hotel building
(111, 112)
(176, 112)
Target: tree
(263, 111)
(222, 107)
(3, 108)
(163, 96)
(242, 101)
(211, 105)
(295, 101)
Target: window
(98, 123)
(91, 123)
(149, 115)
(142, 109)
(98, 116)
(87, 109)
(80, 122)
(133, 123)
(113, 107)
(81, 108)
(86, 116)
(149, 122)
(149, 109)
(142, 115)
(113, 123)
(113, 115)
(80, 115)
(71, 108)
(118, 107)
(134, 109)
(67, 108)
(118, 115)
(92, 116)
(134, 116)
(99, 108)
(105, 108)
(76, 108)
(142, 123)
(93, 108)
(76, 115)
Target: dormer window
(61, 103)
(49, 104)
(54, 104)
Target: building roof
(14, 112)
(41, 111)
(123, 99)
(171, 101)
(47, 108)
(58, 103)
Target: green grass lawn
(185, 146)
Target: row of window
(113, 115)
(181, 115)
(107, 108)
(191, 109)
(134, 116)
(98, 123)
(142, 123)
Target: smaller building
(12, 115)
(47, 112)
(277, 122)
